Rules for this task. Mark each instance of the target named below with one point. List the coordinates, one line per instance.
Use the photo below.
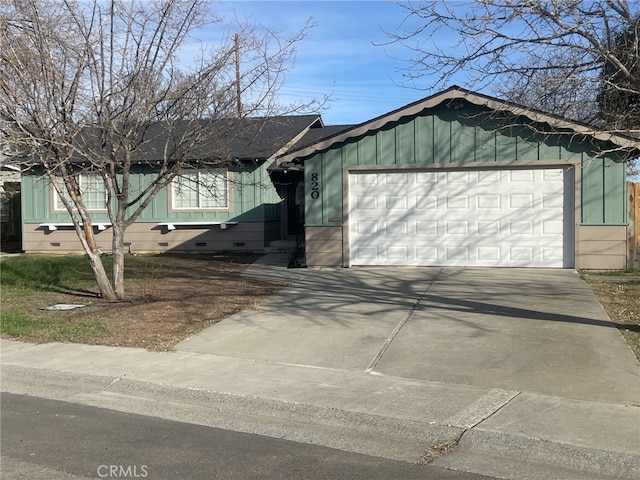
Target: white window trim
(57, 200)
(220, 208)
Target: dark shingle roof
(261, 138)
(255, 138)
(314, 135)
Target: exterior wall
(323, 246)
(604, 192)
(443, 138)
(601, 247)
(149, 237)
(254, 204)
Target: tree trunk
(106, 290)
(104, 285)
(118, 261)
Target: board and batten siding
(254, 204)
(441, 139)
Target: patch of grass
(16, 323)
(168, 298)
(614, 273)
(38, 273)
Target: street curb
(375, 435)
(518, 456)
(474, 449)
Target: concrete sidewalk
(365, 402)
(503, 433)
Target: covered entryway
(481, 217)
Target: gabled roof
(262, 138)
(251, 138)
(244, 139)
(314, 135)
(449, 96)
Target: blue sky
(338, 56)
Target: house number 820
(315, 186)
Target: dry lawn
(621, 301)
(170, 298)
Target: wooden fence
(633, 233)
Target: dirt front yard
(621, 301)
(170, 297)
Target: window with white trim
(93, 192)
(200, 190)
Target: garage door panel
(363, 202)
(552, 255)
(457, 227)
(552, 227)
(426, 178)
(489, 177)
(521, 228)
(427, 254)
(456, 202)
(489, 228)
(454, 177)
(397, 253)
(394, 179)
(489, 254)
(521, 201)
(483, 218)
(426, 228)
(364, 253)
(367, 227)
(521, 176)
(488, 201)
(396, 202)
(428, 202)
(396, 228)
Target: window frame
(222, 173)
(58, 206)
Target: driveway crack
(398, 327)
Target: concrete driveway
(531, 330)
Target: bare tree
(554, 55)
(102, 88)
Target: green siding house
(464, 179)
(243, 207)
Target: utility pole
(236, 42)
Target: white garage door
(510, 218)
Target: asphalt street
(48, 439)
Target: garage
(464, 179)
(509, 218)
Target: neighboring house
(464, 179)
(9, 204)
(242, 209)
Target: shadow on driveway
(534, 330)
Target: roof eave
(453, 93)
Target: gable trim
(458, 93)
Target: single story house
(456, 179)
(244, 212)
(464, 179)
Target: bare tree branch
(563, 56)
(101, 88)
